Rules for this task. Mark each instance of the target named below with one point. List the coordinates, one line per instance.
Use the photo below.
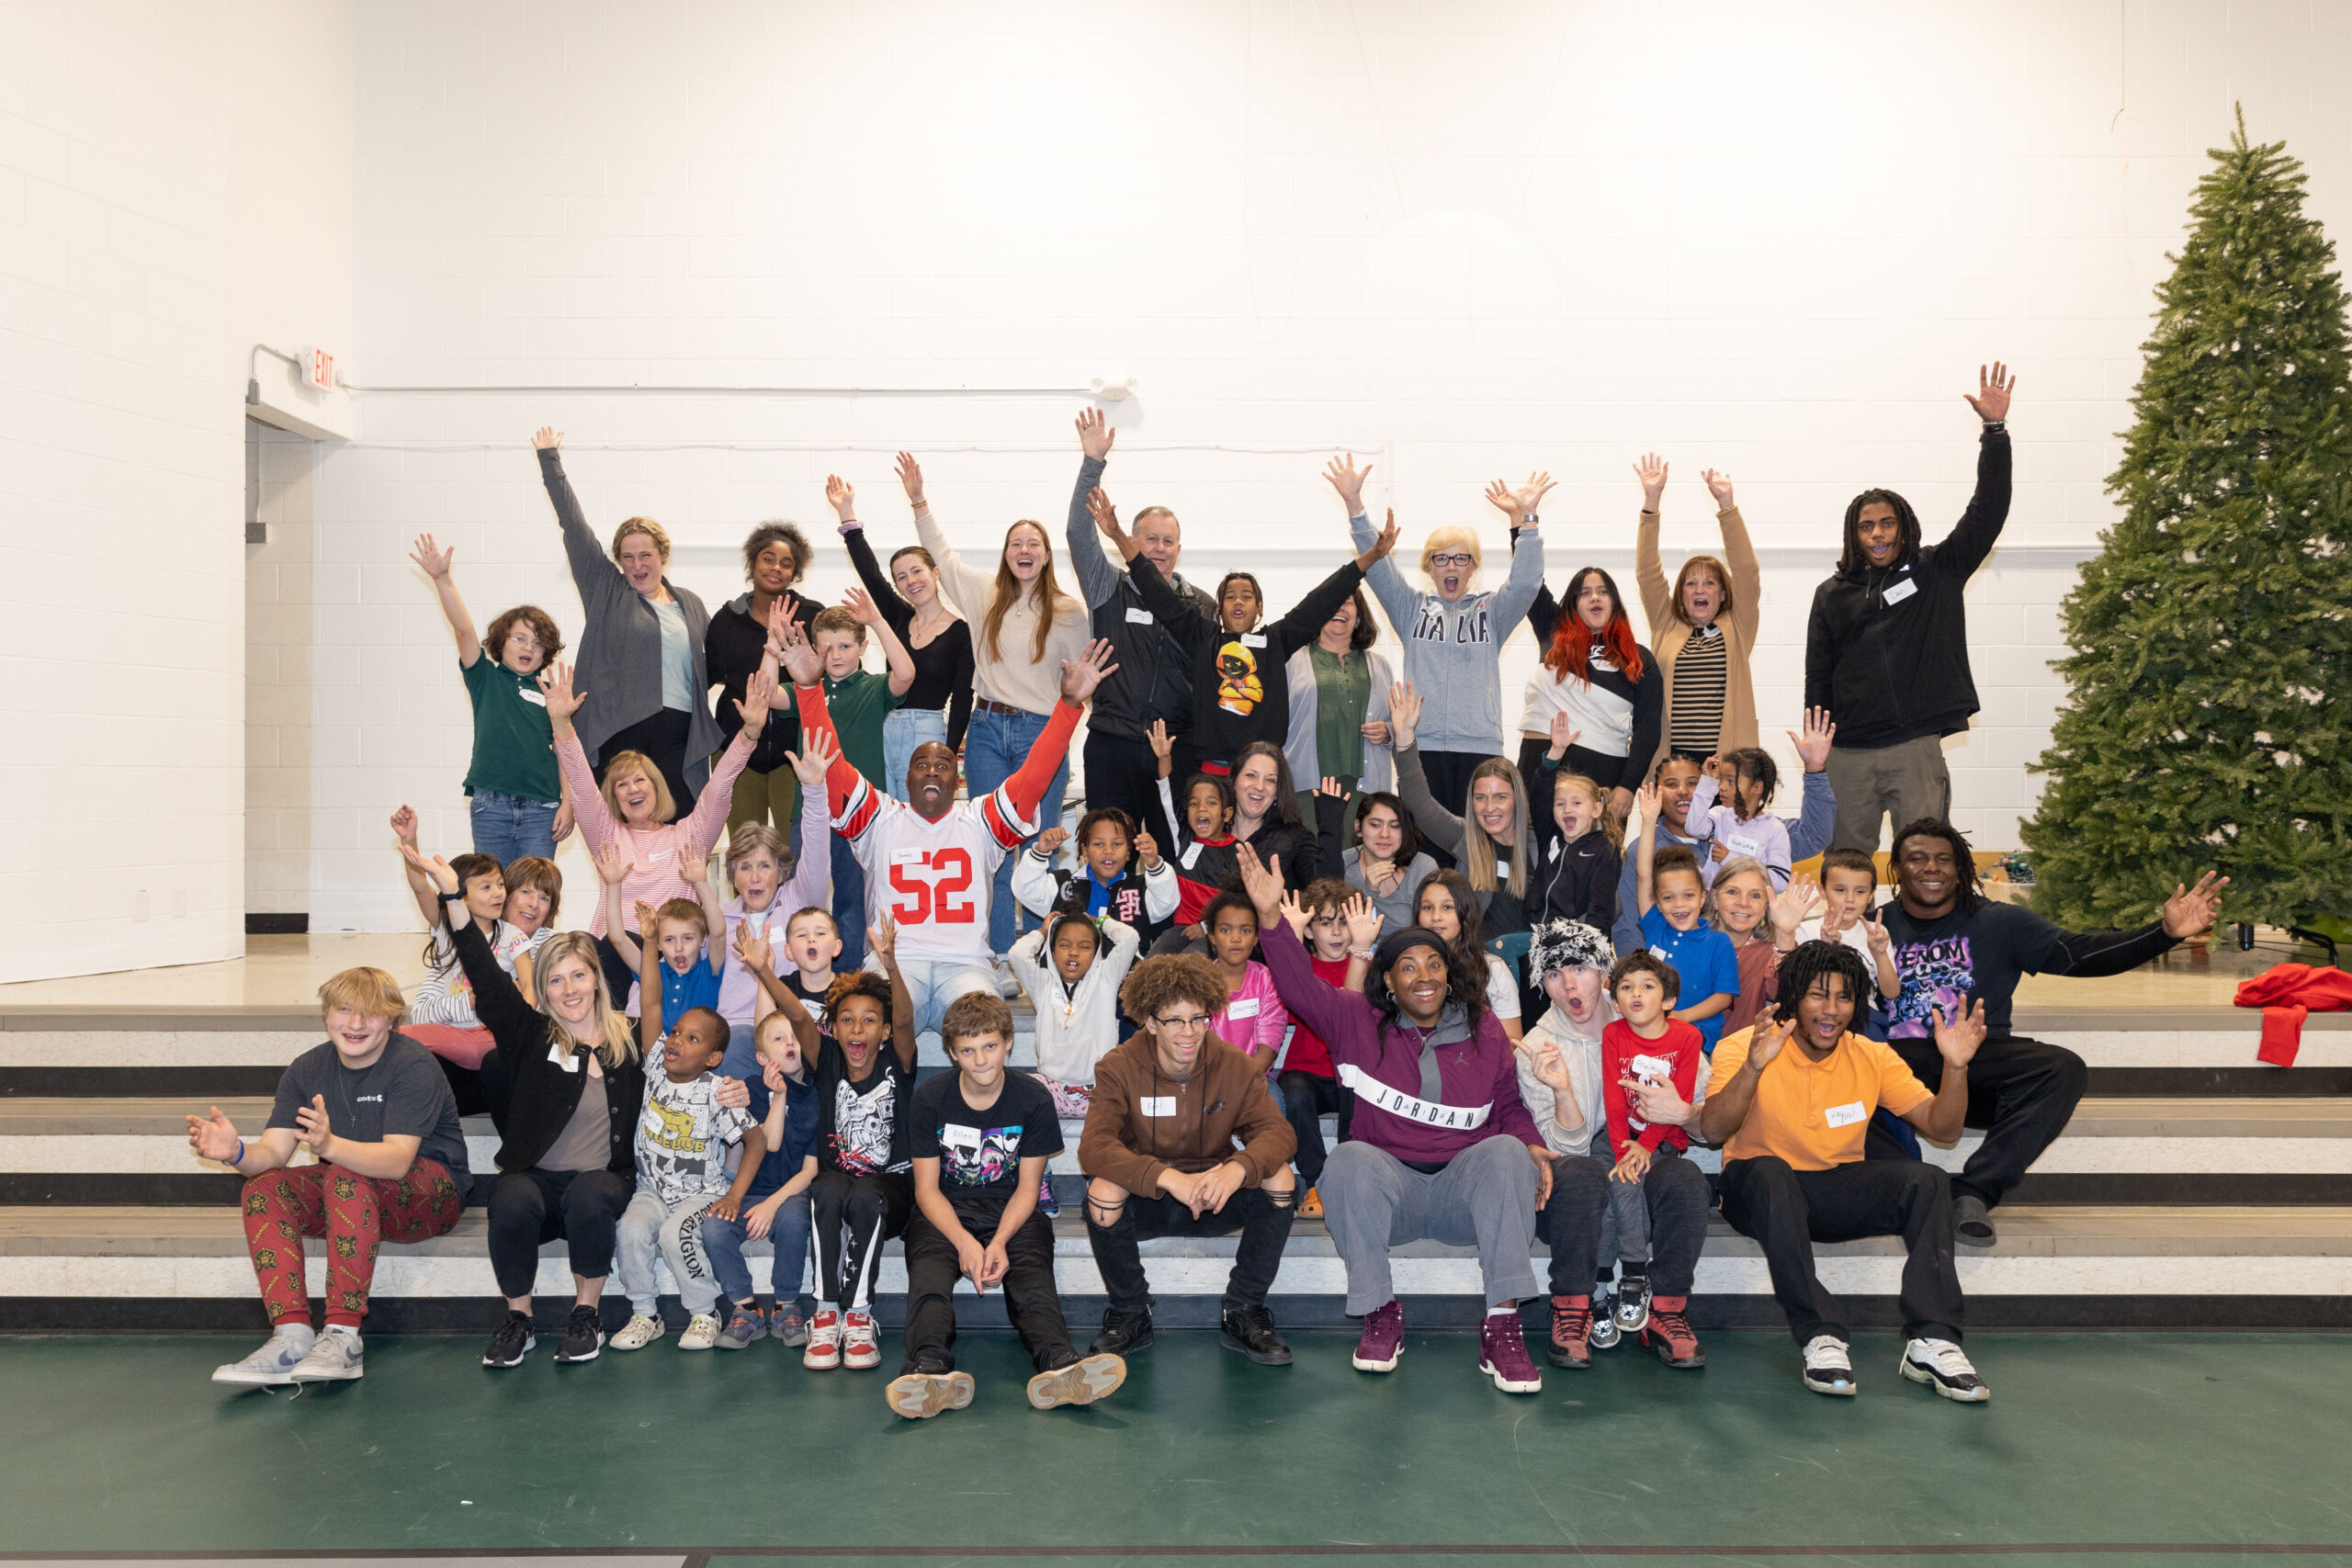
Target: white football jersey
(934, 877)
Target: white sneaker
(1827, 1367)
(1605, 1332)
(702, 1332)
(336, 1358)
(640, 1330)
(1633, 1311)
(272, 1365)
(1008, 983)
(1939, 1364)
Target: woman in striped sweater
(1704, 630)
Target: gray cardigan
(618, 663)
(1298, 747)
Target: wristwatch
(452, 898)
(1993, 425)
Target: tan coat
(1669, 632)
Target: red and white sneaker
(824, 1352)
(1383, 1340)
(1502, 1355)
(861, 1346)
(1668, 1333)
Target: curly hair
(777, 532)
(858, 983)
(1963, 859)
(1808, 961)
(1172, 977)
(1906, 521)
(542, 625)
(1326, 896)
(1642, 960)
(1228, 900)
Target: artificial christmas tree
(2206, 724)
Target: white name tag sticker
(563, 1058)
(1139, 617)
(906, 857)
(1650, 1067)
(1190, 858)
(1742, 846)
(660, 855)
(1901, 591)
(1253, 639)
(957, 1137)
(1160, 1105)
(530, 694)
(1241, 1006)
(1847, 1115)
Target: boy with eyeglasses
(1183, 1138)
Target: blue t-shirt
(1704, 961)
(698, 987)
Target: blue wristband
(241, 1156)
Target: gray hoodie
(1454, 651)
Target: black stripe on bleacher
(2221, 1083)
(114, 1083)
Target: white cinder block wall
(1472, 239)
(174, 185)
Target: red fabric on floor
(2287, 994)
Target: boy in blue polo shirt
(1671, 897)
(690, 963)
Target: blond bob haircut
(647, 527)
(610, 1034)
(665, 805)
(364, 990)
(1447, 540)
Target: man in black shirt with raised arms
(1950, 943)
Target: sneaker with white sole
(1082, 1381)
(702, 1332)
(789, 1323)
(824, 1352)
(336, 1358)
(583, 1334)
(1827, 1367)
(272, 1365)
(744, 1324)
(1632, 1314)
(1605, 1332)
(641, 1329)
(861, 1346)
(1502, 1354)
(1941, 1365)
(512, 1341)
(1383, 1340)
(926, 1386)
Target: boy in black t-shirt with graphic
(980, 1137)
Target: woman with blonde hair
(1024, 631)
(1492, 840)
(1453, 633)
(642, 656)
(567, 1161)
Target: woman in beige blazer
(1704, 624)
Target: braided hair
(1809, 962)
(1963, 859)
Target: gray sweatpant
(1907, 781)
(674, 1235)
(1486, 1195)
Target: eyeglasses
(1193, 1025)
(1456, 559)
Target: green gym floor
(2096, 1446)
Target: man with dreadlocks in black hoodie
(1886, 651)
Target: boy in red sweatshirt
(1646, 1045)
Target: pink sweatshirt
(1254, 1019)
(652, 852)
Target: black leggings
(1305, 1097)
(531, 1208)
(870, 1210)
(662, 738)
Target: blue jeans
(507, 826)
(994, 749)
(849, 902)
(903, 730)
(722, 1241)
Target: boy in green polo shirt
(858, 700)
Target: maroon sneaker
(1668, 1333)
(1502, 1355)
(1571, 1343)
(1383, 1340)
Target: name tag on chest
(1160, 1105)
(960, 1138)
(1190, 858)
(1847, 1115)
(1900, 592)
(1242, 1007)
(531, 694)
(1743, 846)
(1253, 640)
(906, 857)
(1649, 1067)
(1139, 617)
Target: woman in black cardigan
(938, 707)
(567, 1163)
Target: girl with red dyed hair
(1596, 705)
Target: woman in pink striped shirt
(634, 808)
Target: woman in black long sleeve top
(943, 656)
(567, 1163)
(775, 557)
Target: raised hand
(1331, 786)
(1958, 1038)
(1162, 745)
(814, 758)
(1812, 746)
(435, 562)
(842, 497)
(405, 826)
(1364, 921)
(646, 926)
(437, 870)
(1403, 712)
(1147, 850)
(883, 938)
(799, 659)
(1718, 486)
(1296, 914)
(612, 869)
(1794, 904)
(1382, 542)
(694, 864)
(910, 478)
(555, 685)
(1651, 471)
(1528, 497)
(1545, 1060)
(1875, 933)
(758, 697)
(1766, 1041)
(753, 949)
(1262, 882)
(2193, 909)
(1051, 840)
(213, 1137)
(1563, 735)
(1106, 518)
(547, 435)
(1094, 434)
(860, 607)
(1647, 798)
(1993, 388)
(1348, 479)
(1079, 677)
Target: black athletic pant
(1264, 1225)
(2021, 1092)
(1120, 771)
(1030, 1299)
(1674, 1190)
(664, 738)
(618, 975)
(531, 1208)
(1786, 1210)
(852, 1216)
(1305, 1099)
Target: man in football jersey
(928, 860)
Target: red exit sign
(318, 370)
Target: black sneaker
(512, 1341)
(583, 1336)
(1124, 1333)
(1250, 1330)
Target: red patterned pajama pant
(354, 1215)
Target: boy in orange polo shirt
(1791, 1100)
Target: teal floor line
(2095, 1446)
